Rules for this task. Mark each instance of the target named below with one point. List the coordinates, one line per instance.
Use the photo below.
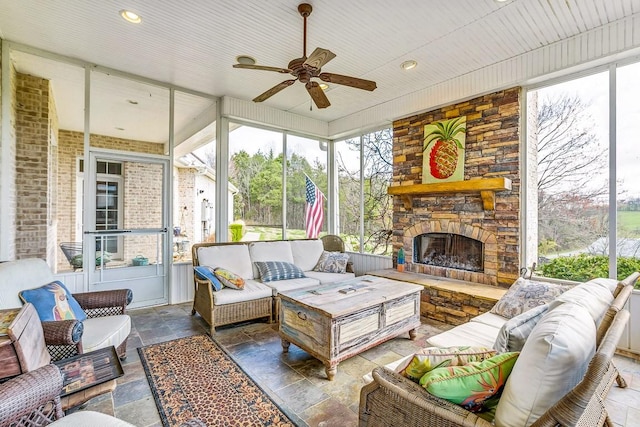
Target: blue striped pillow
(271, 271)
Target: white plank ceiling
(193, 44)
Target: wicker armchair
(333, 243)
(33, 400)
(66, 338)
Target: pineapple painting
(443, 148)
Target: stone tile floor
(297, 379)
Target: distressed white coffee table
(336, 321)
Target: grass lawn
(629, 221)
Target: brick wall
(492, 150)
(32, 166)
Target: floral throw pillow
(229, 278)
(471, 385)
(332, 262)
(431, 358)
(526, 294)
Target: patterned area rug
(195, 378)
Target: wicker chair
(64, 338)
(333, 243)
(33, 400)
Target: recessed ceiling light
(245, 60)
(324, 86)
(130, 16)
(408, 65)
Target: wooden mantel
(485, 186)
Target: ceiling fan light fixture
(324, 86)
(409, 65)
(245, 60)
(130, 16)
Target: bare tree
(569, 157)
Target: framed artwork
(443, 148)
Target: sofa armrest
(104, 303)
(62, 332)
(391, 397)
(30, 395)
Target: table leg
(330, 370)
(413, 334)
(285, 345)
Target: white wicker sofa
(556, 380)
(257, 299)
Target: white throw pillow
(553, 360)
(306, 253)
(234, 258)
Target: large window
(364, 167)
(579, 196)
(257, 169)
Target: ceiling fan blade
(348, 81)
(277, 88)
(317, 94)
(262, 67)
(319, 57)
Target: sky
(594, 90)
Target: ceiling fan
(304, 69)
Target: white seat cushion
(490, 319)
(553, 360)
(269, 251)
(90, 418)
(287, 285)
(325, 278)
(252, 290)
(472, 333)
(306, 253)
(101, 332)
(234, 258)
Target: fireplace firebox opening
(449, 250)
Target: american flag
(314, 210)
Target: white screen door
(126, 213)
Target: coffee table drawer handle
(302, 316)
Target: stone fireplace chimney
(452, 217)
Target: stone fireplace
(473, 243)
(449, 250)
(462, 231)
